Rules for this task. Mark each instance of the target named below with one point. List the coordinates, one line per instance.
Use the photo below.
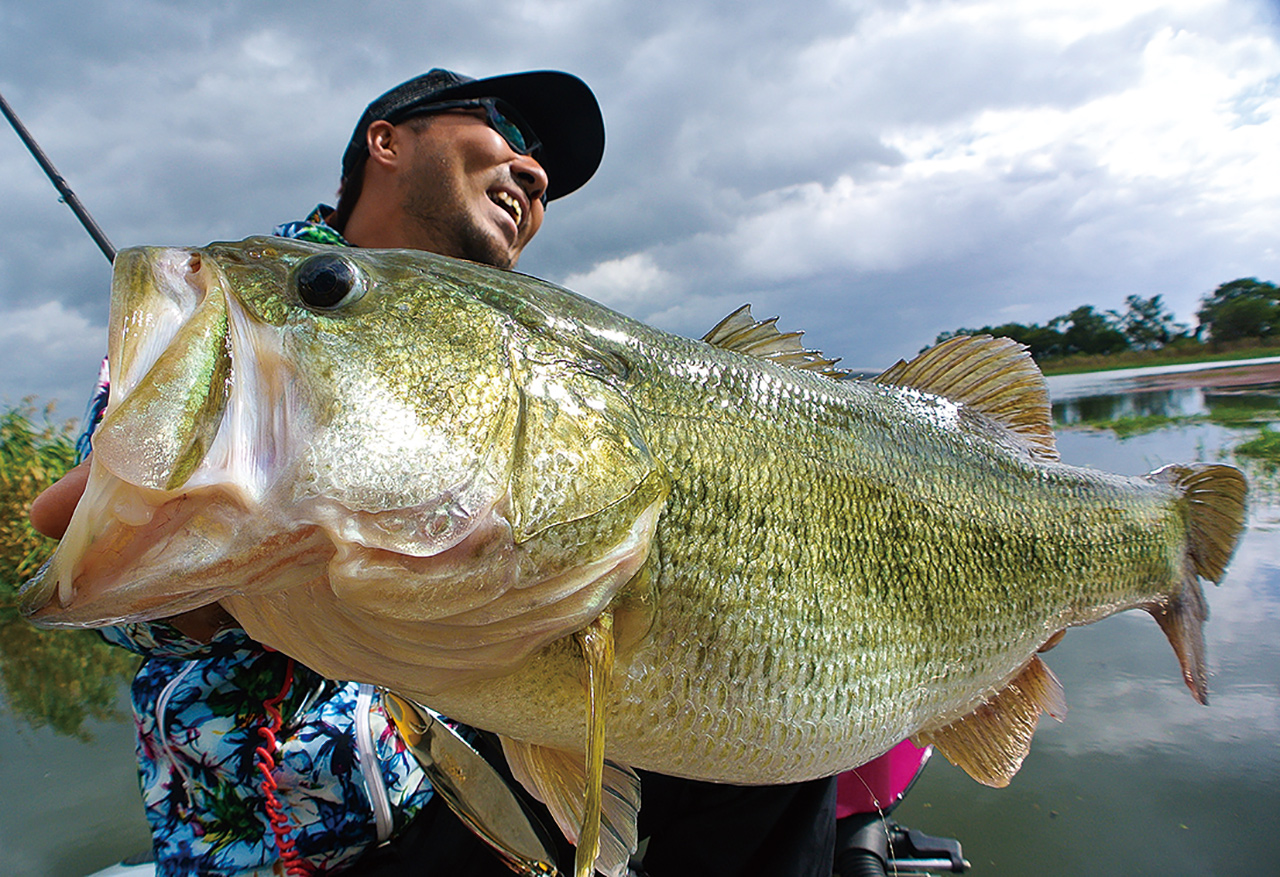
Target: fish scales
(825, 558)
(784, 417)
(474, 468)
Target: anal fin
(991, 742)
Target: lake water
(1139, 779)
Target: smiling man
(465, 168)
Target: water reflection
(1161, 403)
(1224, 404)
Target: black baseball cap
(559, 107)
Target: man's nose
(531, 177)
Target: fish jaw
(133, 554)
(183, 459)
(376, 618)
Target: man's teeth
(511, 203)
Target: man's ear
(383, 140)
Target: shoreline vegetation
(1186, 351)
(60, 678)
(1239, 319)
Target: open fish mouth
(180, 459)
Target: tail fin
(1214, 497)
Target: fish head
(280, 381)
(302, 430)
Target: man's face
(467, 193)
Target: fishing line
(68, 197)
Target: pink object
(881, 782)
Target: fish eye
(327, 282)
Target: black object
(68, 196)
(869, 846)
(697, 828)
(558, 107)
(436, 843)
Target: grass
(1174, 354)
(61, 679)
(1238, 416)
(1131, 425)
(1264, 446)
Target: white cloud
(1163, 162)
(884, 170)
(632, 284)
(50, 352)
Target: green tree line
(1241, 310)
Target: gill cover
(172, 399)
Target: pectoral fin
(597, 652)
(991, 742)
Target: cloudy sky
(875, 172)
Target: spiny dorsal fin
(990, 743)
(741, 332)
(993, 375)
(1215, 512)
(558, 779)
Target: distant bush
(55, 678)
(1242, 312)
(1146, 324)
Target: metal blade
(472, 788)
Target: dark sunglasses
(500, 116)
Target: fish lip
(173, 273)
(104, 564)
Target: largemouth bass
(535, 515)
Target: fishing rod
(68, 197)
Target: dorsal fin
(990, 743)
(996, 376)
(742, 333)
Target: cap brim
(563, 113)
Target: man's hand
(51, 510)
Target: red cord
(292, 860)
